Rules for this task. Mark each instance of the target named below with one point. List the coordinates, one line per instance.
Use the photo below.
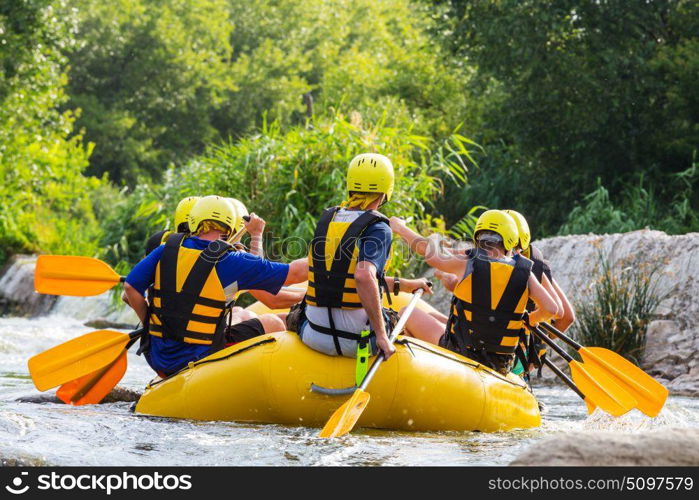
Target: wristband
(396, 286)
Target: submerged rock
(667, 447)
(118, 394)
(122, 394)
(39, 399)
(23, 461)
(106, 324)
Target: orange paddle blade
(93, 387)
(600, 391)
(76, 358)
(73, 275)
(650, 394)
(345, 417)
(591, 407)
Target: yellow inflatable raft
(268, 379)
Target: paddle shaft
(563, 377)
(392, 338)
(559, 350)
(565, 338)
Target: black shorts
(244, 330)
(501, 363)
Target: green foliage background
(581, 114)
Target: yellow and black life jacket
(539, 269)
(531, 349)
(488, 306)
(189, 303)
(332, 260)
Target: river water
(109, 434)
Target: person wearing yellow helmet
(193, 278)
(542, 270)
(342, 307)
(242, 212)
(488, 303)
(531, 349)
(181, 224)
(255, 226)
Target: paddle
(345, 417)
(80, 276)
(648, 392)
(73, 275)
(590, 405)
(93, 387)
(598, 389)
(78, 357)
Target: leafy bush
(148, 76)
(129, 218)
(640, 207)
(289, 176)
(616, 311)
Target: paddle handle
(392, 338)
(559, 350)
(565, 338)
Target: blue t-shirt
(236, 271)
(375, 245)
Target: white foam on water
(110, 434)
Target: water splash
(110, 434)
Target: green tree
(158, 81)
(45, 201)
(363, 55)
(581, 89)
(147, 75)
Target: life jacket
(332, 261)
(531, 349)
(333, 257)
(539, 269)
(488, 306)
(156, 240)
(189, 303)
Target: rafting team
(184, 290)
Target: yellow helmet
(371, 173)
(500, 223)
(241, 211)
(212, 208)
(525, 236)
(182, 212)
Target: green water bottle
(362, 357)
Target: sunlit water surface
(109, 434)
